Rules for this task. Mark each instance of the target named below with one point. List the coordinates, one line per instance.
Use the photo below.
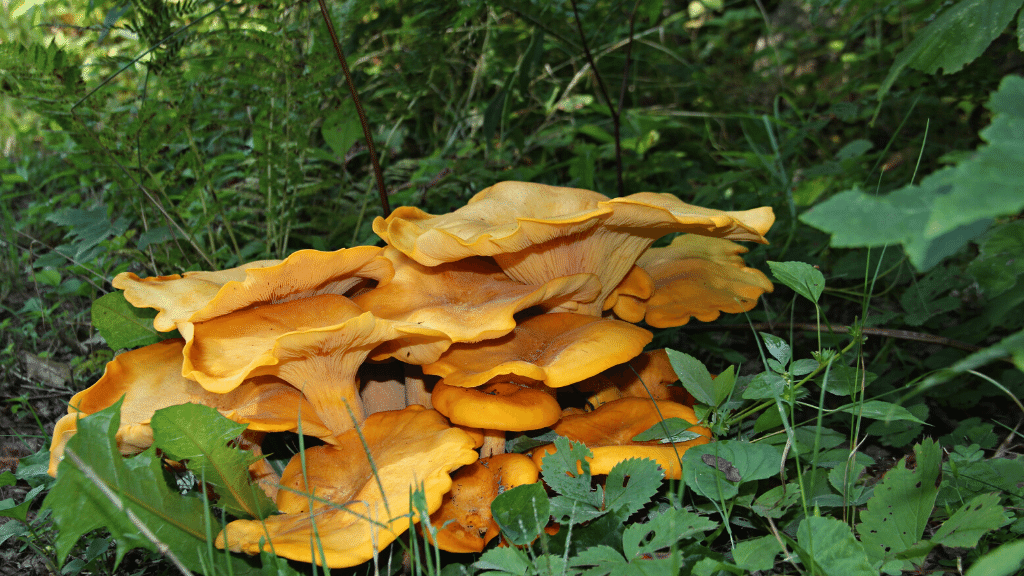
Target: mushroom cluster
(413, 362)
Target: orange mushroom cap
(700, 277)
(646, 376)
(609, 431)
(469, 300)
(197, 296)
(149, 379)
(412, 449)
(629, 299)
(537, 232)
(464, 522)
(316, 344)
(557, 349)
(505, 406)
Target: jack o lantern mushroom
(150, 379)
(469, 300)
(537, 232)
(182, 300)
(464, 522)
(316, 344)
(609, 431)
(700, 277)
(335, 501)
(646, 376)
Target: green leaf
(697, 380)
(844, 380)
(1006, 560)
(522, 512)
(957, 37)
(802, 278)
(757, 554)
(880, 410)
(707, 468)
(777, 347)
(966, 527)
(765, 385)
(80, 503)
(662, 531)
(504, 561)
(834, 547)
(560, 470)
(201, 436)
(606, 560)
(1000, 261)
(123, 325)
(630, 486)
(667, 431)
(342, 128)
(902, 503)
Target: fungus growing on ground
(537, 232)
(609, 431)
(352, 507)
(505, 299)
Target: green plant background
(159, 137)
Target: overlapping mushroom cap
(150, 379)
(537, 232)
(338, 503)
(197, 296)
(609, 432)
(700, 277)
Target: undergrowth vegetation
(866, 413)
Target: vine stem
(604, 92)
(381, 190)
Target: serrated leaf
(834, 548)
(765, 385)
(694, 376)
(803, 367)
(138, 485)
(902, 503)
(802, 278)
(123, 325)
(880, 410)
(561, 471)
(667, 431)
(605, 559)
(504, 560)
(663, 531)
(201, 436)
(630, 486)
(522, 512)
(751, 461)
(957, 37)
(968, 524)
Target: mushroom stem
(416, 391)
(494, 443)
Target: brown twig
(883, 332)
(604, 92)
(381, 190)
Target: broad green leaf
(802, 278)
(522, 512)
(668, 430)
(605, 560)
(201, 436)
(630, 486)
(1000, 260)
(765, 385)
(697, 380)
(966, 527)
(777, 347)
(880, 410)
(123, 325)
(663, 530)
(902, 503)
(561, 472)
(803, 366)
(845, 380)
(757, 554)
(833, 546)
(1006, 560)
(957, 37)
(342, 128)
(138, 485)
(1010, 347)
(706, 468)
